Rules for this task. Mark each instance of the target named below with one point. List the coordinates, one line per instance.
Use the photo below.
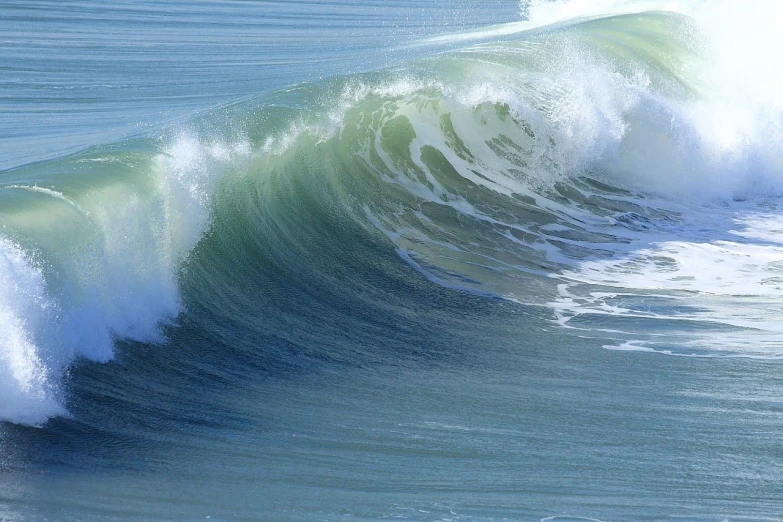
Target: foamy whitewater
(416, 261)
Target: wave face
(608, 168)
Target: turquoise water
(418, 261)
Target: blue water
(76, 74)
(390, 260)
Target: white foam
(115, 278)
(728, 141)
(715, 294)
(27, 392)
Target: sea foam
(115, 278)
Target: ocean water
(265, 260)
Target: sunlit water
(390, 260)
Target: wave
(601, 168)
(94, 260)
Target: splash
(105, 270)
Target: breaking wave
(604, 161)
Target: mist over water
(518, 261)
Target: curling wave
(600, 167)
